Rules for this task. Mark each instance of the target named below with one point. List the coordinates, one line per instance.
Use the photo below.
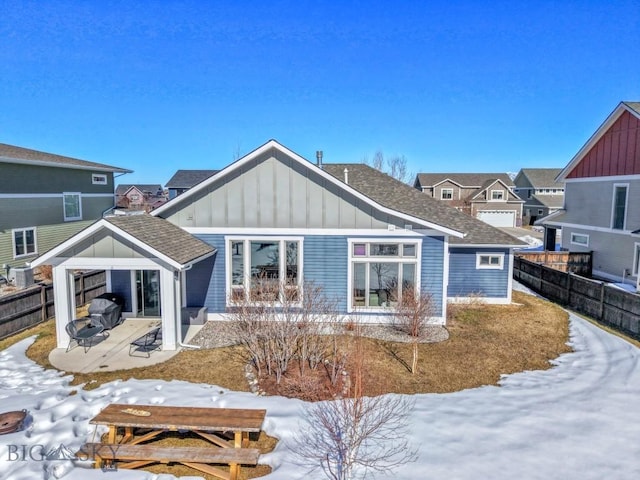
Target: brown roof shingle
(396, 195)
(163, 236)
(11, 152)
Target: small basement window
(490, 261)
(580, 239)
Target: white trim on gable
(609, 121)
(54, 253)
(302, 161)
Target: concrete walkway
(112, 353)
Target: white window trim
(575, 242)
(247, 265)
(443, 190)
(491, 199)
(613, 206)
(64, 210)
(479, 255)
(351, 259)
(99, 179)
(636, 259)
(35, 242)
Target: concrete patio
(112, 353)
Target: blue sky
(452, 86)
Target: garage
(498, 218)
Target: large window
(264, 270)
(24, 242)
(381, 272)
(72, 206)
(619, 206)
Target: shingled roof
(542, 177)
(189, 178)
(394, 194)
(13, 154)
(633, 105)
(467, 180)
(162, 236)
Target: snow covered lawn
(578, 420)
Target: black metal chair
(147, 343)
(85, 334)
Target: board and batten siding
(274, 191)
(466, 280)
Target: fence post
(601, 315)
(569, 288)
(43, 303)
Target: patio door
(148, 293)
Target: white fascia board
(591, 228)
(452, 181)
(305, 163)
(485, 245)
(247, 231)
(44, 163)
(52, 195)
(610, 178)
(609, 121)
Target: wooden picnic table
(201, 420)
(207, 422)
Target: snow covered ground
(579, 420)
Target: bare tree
(350, 437)
(395, 166)
(277, 324)
(411, 316)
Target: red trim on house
(616, 153)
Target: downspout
(114, 196)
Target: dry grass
(485, 342)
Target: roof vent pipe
(319, 158)
(346, 175)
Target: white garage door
(498, 218)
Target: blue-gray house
(356, 232)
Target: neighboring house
(46, 198)
(357, 233)
(486, 196)
(541, 192)
(183, 180)
(137, 198)
(602, 198)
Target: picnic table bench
(198, 458)
(141, 423)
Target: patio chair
(85, 334)
(147, 343)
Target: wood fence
(28, 307)
(580, 263)
(607, 304)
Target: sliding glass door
(148, 293)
